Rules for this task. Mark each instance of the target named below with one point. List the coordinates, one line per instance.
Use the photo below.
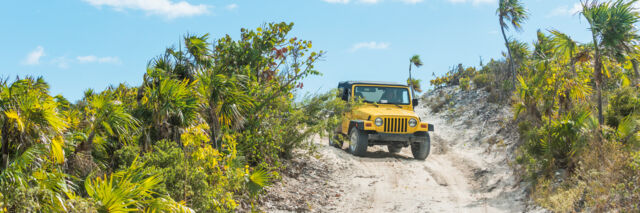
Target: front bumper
(389, 138)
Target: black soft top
(348, 84)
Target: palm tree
(28, 115)
(511, 12)
(132, 189)
(613, 33)
(565, 48)
(167, 106)
(415, 61)
(25, 172)
(106, 116)
(416, 83)
(223, 102)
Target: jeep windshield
(382, 95)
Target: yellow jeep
(387, 117)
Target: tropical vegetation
(576, 106)
(206, 131)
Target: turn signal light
(368, 124)
(423, 125)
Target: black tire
(335, 141)
(420, 150)
(358, 143)
(394, 148)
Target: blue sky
(80, 44)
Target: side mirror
(415, 102)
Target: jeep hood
(384, 111)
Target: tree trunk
(636, 76)
(5, 146)
(506, 42)
(598, 80)
(411, 81)
(213, 128)
(566, 105)
(87, 146)
(176, 135)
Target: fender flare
(358, 124)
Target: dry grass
(441, 102)
(606, 180)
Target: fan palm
(613, 33)
(565, 48)
(511, 13)
(28, 115)
(132, 189)
(168, 105)
(415, 61)
(416, 83)
(33, 177)
(106, 116)
(224, 104)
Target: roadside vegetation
(577, 106)
(209, 127)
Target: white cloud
(61, 62)
(157, 7)
(87, 59)
(33, 58)
(474, 2)
(231, 7)
(565, 10)
(411, 1)
(359, 1)
(369, 45)
(373, 1)
(93, 59)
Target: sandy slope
(467, 171)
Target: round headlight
(378, 121)
(413, 122)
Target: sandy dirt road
(467, 171)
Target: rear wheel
(394, 148)
(358, 142)
(420, 150)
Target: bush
(625, 102)
(555, 144)
(482, 80)
(464, 83)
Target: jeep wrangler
(386, 117)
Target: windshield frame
(410, 101)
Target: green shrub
(625, 102)
(465, 84)
(482, 80)
(555, 144)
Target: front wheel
(358, 142)
(420, 150)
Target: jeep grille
(395, 125)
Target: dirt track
(467, 170)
